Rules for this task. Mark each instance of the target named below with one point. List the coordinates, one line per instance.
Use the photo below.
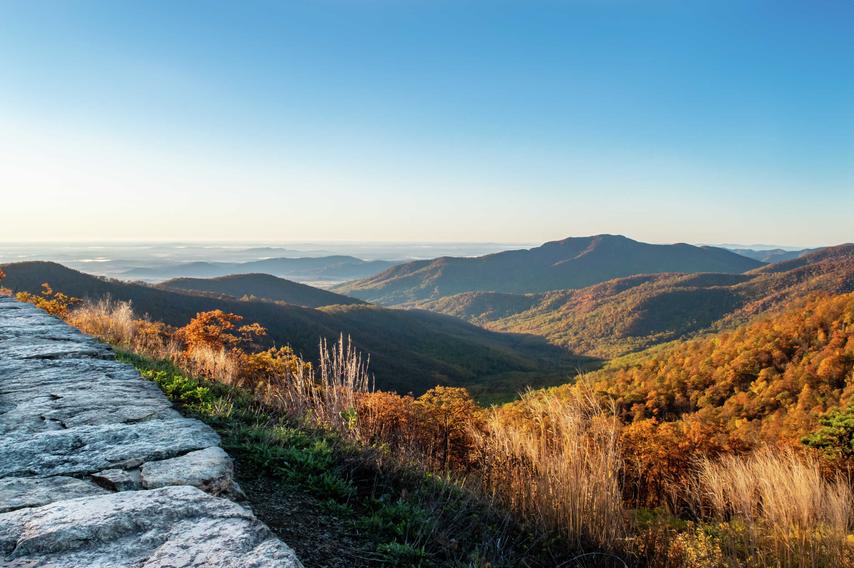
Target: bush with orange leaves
(215, 345)
(440, 429)
(452, 422)
(217, 330)
(275, 367)
(660, 457)
(388, 420)
(54, 303)
(4, 291)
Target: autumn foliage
(216, 330)
(54, 303)
(4, 291)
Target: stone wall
(98, 469)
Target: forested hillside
(628, 314)
(768, 380)
(771, 381)
(263, 287)
(571, 263)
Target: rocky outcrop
(173, 526)
(98, 469)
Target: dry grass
(559, 466)
(115, 323)
(214, 363)
(327, 395)
(784, 510)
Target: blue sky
(428, 120)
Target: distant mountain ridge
(574, 262)
(335, 268)
(262, 286)
(770, 255)
(627, 314)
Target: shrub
(835, 435)
(54, 303)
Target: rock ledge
(98, 469)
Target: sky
(410, 120)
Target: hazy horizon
(250, 243)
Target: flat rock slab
(80, 435)
(20, 492)
(89, 449)
(118, 479)
(173, 526)
(210, 469)
(39, 395)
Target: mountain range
(509, 328)
(574, 262)
(770, 255)
(331, 269)
(627, 314)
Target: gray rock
(20, 492)
(211, 470)
(89, 449)
(118, 479)
(235, 493)
(53, 395)
(172, 526)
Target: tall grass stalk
(559, 467)
(780, 506)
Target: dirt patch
(320, 538)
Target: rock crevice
(98, 469)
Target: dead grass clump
(779, 507)
(559, 466)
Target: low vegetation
(688, 457)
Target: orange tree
(217, 330)
(452, 417)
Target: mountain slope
(308, 269)
(570, 263)
(261, 286)
(765, 380)
(628, 314)
(410, 350)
